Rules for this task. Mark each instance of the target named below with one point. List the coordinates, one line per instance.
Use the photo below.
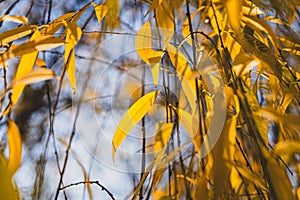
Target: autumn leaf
(14, 146)
(16, 33)
(100, 11)
(165, 20)
(134, 114)
(26, 64)
(234, 8)
(73, 34)
(14, 18)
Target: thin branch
(90, 182)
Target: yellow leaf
(165, 20)
(100, 11)
(143, 44)
(134, 114)
(251, 176)
(14, 146)
(277, 174)
(15, 18)
(7, 190)
(70, 64)
(234, 8)
(26, 64)
(153, 6)
(163, 134)
(183, 68)
(40, 44)
(40, 62)
(33, 77)
(73, 34)
(155, 73)
(56, 24)
(16, 33)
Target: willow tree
(191, 99)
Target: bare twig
(89, 182)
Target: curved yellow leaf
(16, 33)
(15, 18)
(26, 64)
(143, 44)
(183, 69)
(73, 34)
(7, 190)
(234, 8)
(56, 24)
(100, 10)
(39, 44)
(165, 20)
(14, 146)
(33, 77)
(134, 114)
(153, 6)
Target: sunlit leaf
(289, 120)
(224, 150)
(251, 176)
(154, 5)
(143, 44)
(16, 33)
(14, 18)
(234, 8)
(39, 44)
(100, 11)
(34, 76)
(155, 73)
(256, 113)
(14, 146)
(282, 190)
(73, 34)
(7, 190)
(235, 180)
(165, 20)
(201, 188)
(26, 64)
(40, 62)
(183, 68)
(56, 24)
(262, 25)
(134, 114)
(162, 136)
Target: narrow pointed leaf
(73, 35)
(134, 114)
(15, 18)
(16, 33)
(26, 64)
(14, 146)
(34, 77)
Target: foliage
(254, 49)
